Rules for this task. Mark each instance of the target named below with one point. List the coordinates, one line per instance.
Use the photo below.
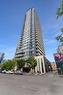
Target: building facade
(31, 41)
(1, 57)
(54, 67)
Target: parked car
(18, 73)
(4, 71)
(9, 72)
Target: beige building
(53, 64)
(60, 49)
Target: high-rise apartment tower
(31, 41)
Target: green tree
(20, 64)
(60, 10)
(0, 66)
(60, 38)
(60, 13)
(8, 65)
(31, 62)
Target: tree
(8, 65)
(60, 37)
(60, 13)
(31, 62)
(20, 64)
(60, 10)
(0, 66)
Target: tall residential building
(30, 42)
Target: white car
(9, 72)
(19, 73)
(4, 71)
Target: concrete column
(43, 65)
(36, 68)
(40, 65)
(37, 64)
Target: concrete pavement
(49, 84)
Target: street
(48, 84)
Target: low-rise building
(54, 67)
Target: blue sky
(12, 14)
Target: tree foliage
(60, 38)
(60, 10)
(31, 62)
(20, 63)
(62, 30)
(8, 65)
(60, 13)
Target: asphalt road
(49, 84)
